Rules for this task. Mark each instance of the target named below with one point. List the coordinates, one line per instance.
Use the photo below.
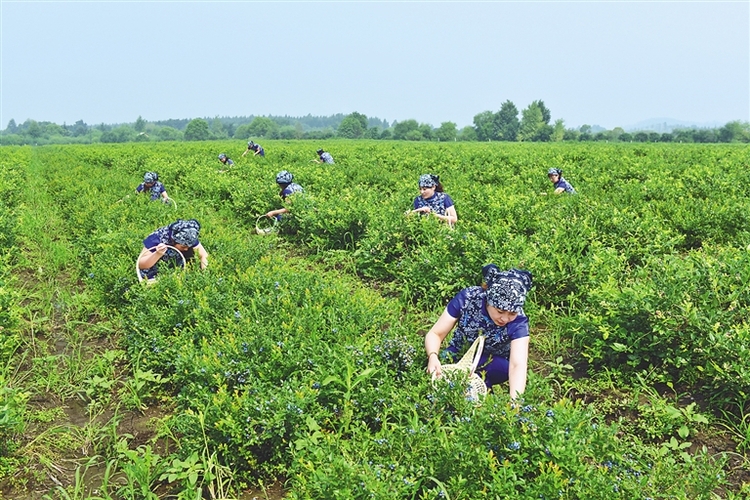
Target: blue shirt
(469, 306)
(170, 257)
(258, 149)
(326, 157)
(562, 183)
(156, 190)
(438, 203)
(291, 189)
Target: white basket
(146, 250)
(263, 229)
(468, 364)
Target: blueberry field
(294, 366)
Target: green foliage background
(300, 350)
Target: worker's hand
(424, 210)
(434, 368)
(161, 249)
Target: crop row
(296, 372)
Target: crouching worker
(153, 187)
(494, 310)
(183, 236)
(284, 181)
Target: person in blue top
(256, 148)
(561, 185)
(225, 160)
(284, 180)
(152, 186)
(324, 157)
(432, 200)
(181, 234)
(494, 310)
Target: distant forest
(532, 124)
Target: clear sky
(607, 63)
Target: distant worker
(182, 235)
(561, 185)
(284, 180)
(256, 148)
(225, 160)
(152, 186)
(432, 200)
(324, 157)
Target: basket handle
(475, 352)
(138, 269)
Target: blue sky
(602, 62)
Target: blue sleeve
(519, 327)
(416, 202)
(139, 188)
(151, 241)
(448, 201)
(457, 303)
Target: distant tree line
(532, 124)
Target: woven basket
(171, 200)
(264, 229)
(468, 364)
(138, 269)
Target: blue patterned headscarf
(555, 171)
(506, 290)
(428, 180)
(185, 232)
(284, 177)
(150, 177)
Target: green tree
(506, 122)
(262, 126)
(80, 128)
(615, 133)
(484, 124)
(558, 131)
(12, 127)
(51, 129)
(242, 132)
(734, 131)
(400, 129)
(546, 114)
(704, 136)
(169, 134)
(372, 133)
(123, 133)
(640, 136)
(426, 130)
(140, 124)
(33, 129)
(531, 123)
(217, 129)
(468, 133)
(353, 126)
(287, 132)
(197, 130)
(414, 135)
(446, 132)
(571, 134)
